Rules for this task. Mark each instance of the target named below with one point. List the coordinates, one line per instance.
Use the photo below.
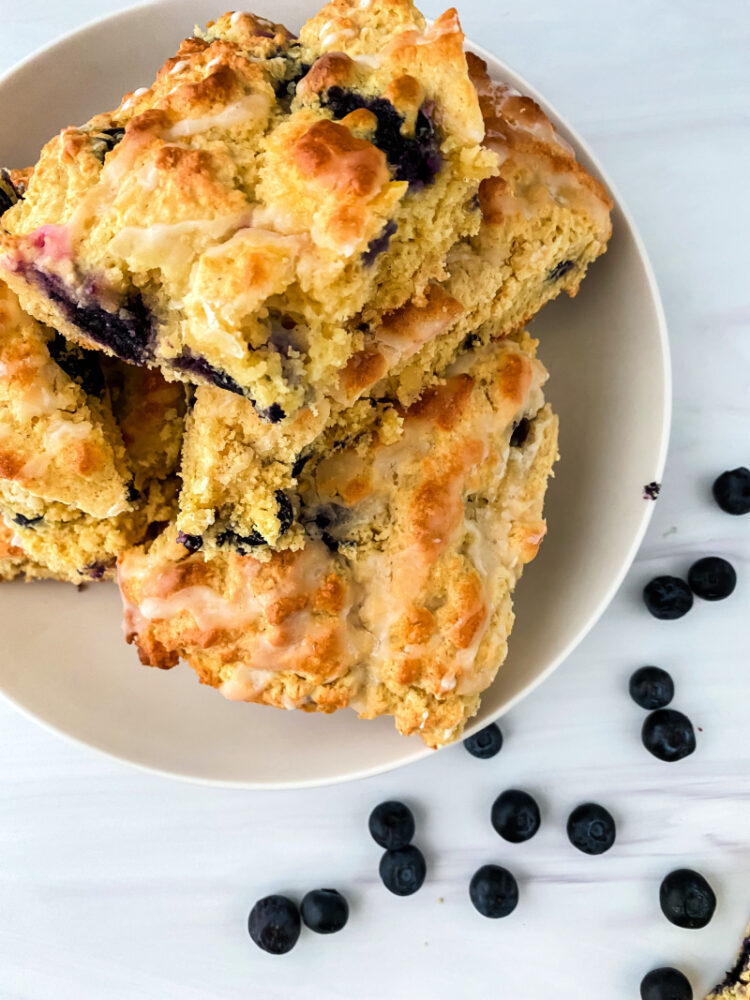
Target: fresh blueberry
(651, 687)
(403, 871)
(191, 542)
(665, 984)
(515, 816)
(667, 597)
(732, 491)
(591, 828)
(687, 899)
(391, 825)
(274, 924)
(668, 735)
(486, 743)
(651, 491)
(493, 891)
(324, 911)
(712, 578)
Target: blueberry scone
(399, 602)
(88, 452)
(736, 983)
(247, 219)
(544, 220)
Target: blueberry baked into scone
(399, 603)
(246, 219)
(544, 219)
(88, 452)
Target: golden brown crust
(399, 602)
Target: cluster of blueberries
(685, 897)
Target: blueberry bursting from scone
(246, 219)
(399, 602)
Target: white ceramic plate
(63, 660)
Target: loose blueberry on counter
(274, 924)
(591, 828)
(515, 816)
(732, 491)
(712, 578)
(486, 743)
(665, 984)
(391, 825)
(667, 597)
(403, 871)
(324, 911)
(493, 891)
(651, 687)
(668, 735)
(687, 899)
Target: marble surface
(117, 884)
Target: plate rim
(563, 125)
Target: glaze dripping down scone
(88, 452)
(544, 220)
(399, 603)
(247, 219)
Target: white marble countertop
(115, 884)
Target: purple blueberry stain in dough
(194, 364)
(96, 570)
(380, 244)
(27, 522)
(285, 511)
(273, 413)
(191, 542)
(560, 269)
(128, 332)
(651, 491)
